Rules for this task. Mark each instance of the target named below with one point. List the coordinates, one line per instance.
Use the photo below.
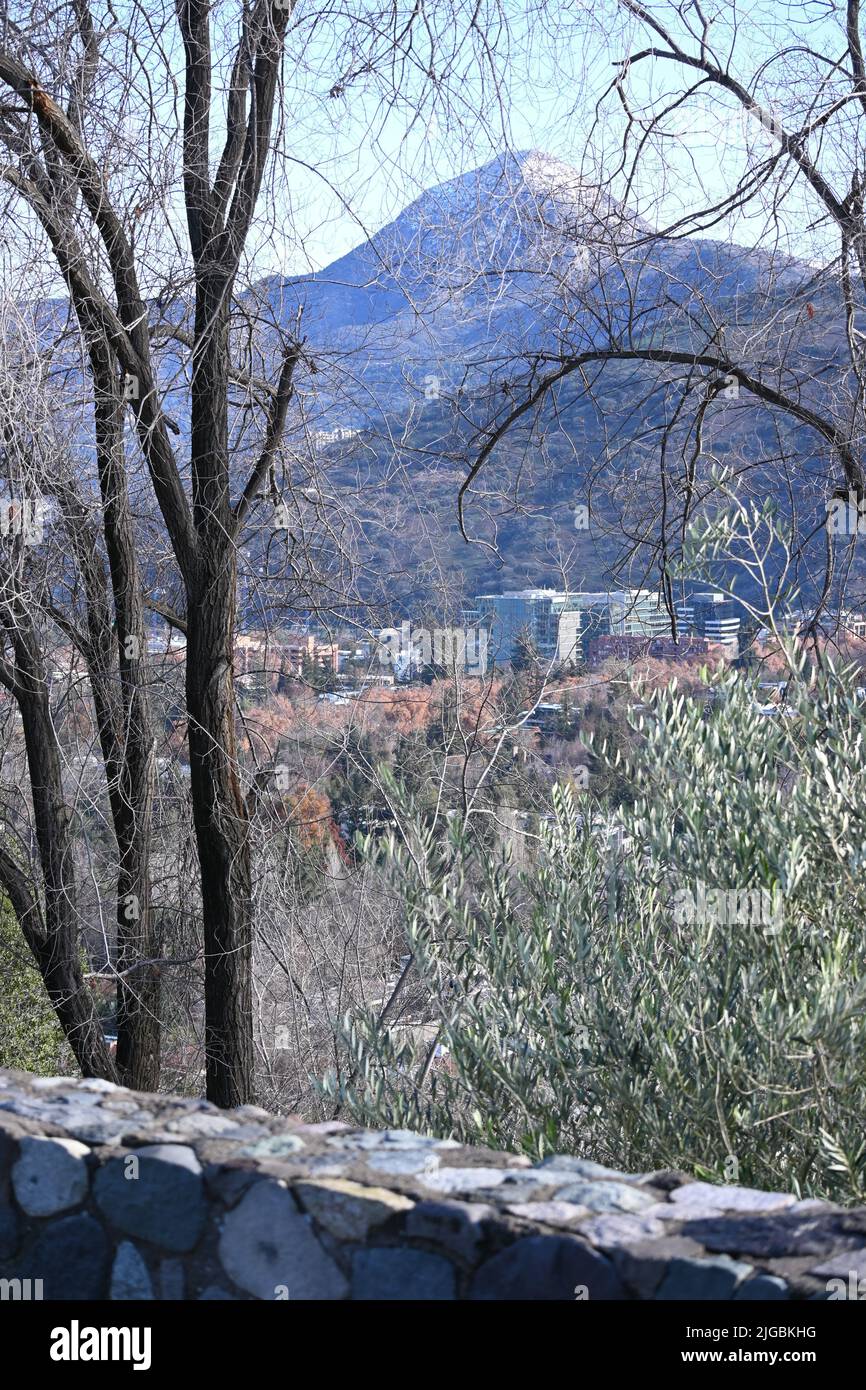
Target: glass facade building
(559, 624)
(711, 615)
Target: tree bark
(55, 943)
(219, 807)
(219, 217)
(114, 649)
(132, 785)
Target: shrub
(579, 1008)
(30, 1036)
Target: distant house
(261, 660)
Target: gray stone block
(72, 1257)
(402, 1162)
(386, 1139)
(775, 1234)
(456, 1226)
(50, 1175)
(449, 1180)
(618, 1228)
(541, 1267)
(702, 1279)
(706, 1199)
(275, 1146)
(511, 1192)
(840, 1266)
(163, 1204)
(764, 1287)
(548, 1213)
(349, 1210)
(644, 1264)
(394, 1275)
(267, 1246)
(605, 1196)
(130, 1279)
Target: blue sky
(348, 172)
(348, 164)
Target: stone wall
(107, 1193)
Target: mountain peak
(546, 172)
(509, 175)
(505, 203)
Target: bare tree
(62, 122)
(49, 920)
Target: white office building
(559, 624)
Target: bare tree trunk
(138, 991)
(115, 668)
(57, 948)
(222, 835)
(232, 106)
(219, 807)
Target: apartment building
(261, 656)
